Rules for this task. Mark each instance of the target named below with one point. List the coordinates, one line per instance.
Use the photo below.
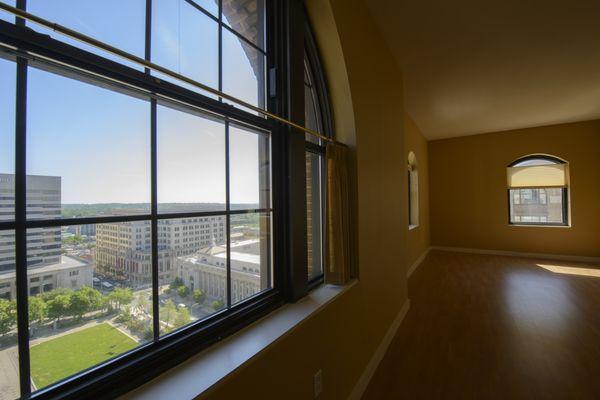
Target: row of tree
(183, 291)
(62, 303)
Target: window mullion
(153, 183)
(220, 49)
(21, 230)
(154, 220)
(293, 96)
(228, 216)
(20, 219)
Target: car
(181, 305)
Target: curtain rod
(155, 67)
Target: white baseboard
(545, 256)
(416, 264)
(367, 374)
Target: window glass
(246, 17)
(185, 41)
(249, 155)
(88, 150)
(7, 140)
(537, 205)
(118, 23)
(89, 282)
(212, 6)
(314, 213)
(243, 70)
(192, 269)
(250, 255)
(90, 296)
(534, 161)
(413, 191)
(312, 111)
(6, 16)
(191, 162)
(9, 378)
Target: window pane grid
(149, 216)
(155, 218)
(538, 206)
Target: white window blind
(535, 176)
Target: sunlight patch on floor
(559, 269)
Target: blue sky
(98, 141)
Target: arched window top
(536, 171)
(412, 161)
(536, 159)
(316, 100)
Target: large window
(538, 191)
(317, 118)
(142, 218)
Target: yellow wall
(342, 337)
(418, 238)
(469, 205)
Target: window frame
(284, 78)
(413, 192)
(313, 61)
(564, 192)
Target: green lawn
(66, 355)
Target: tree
(38, 310)
(121, 297)
(183, 291)
(176, 283)
(182, 318)
(168, 312)
(74, 240)
(58, 307)
(125, 316)
(8, 315)
(79, 304)
(50, 295)
(217, 304)
(94, 297)
(198, 296)
(143, 303)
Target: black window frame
(564, 192)
(313, 62)
(284, 96)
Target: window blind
(534, 176)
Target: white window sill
(194, 376)
(411, 227)
(539, 226)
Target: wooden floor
(492, 327)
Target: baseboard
(367, 374)
(545, 256)
(416, 264)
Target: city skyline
(98, 141)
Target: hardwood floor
(492, 327)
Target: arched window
(538, 191)
(317, 117)
(413, 191)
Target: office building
(125, 249)
(46, 268)
(206, 270)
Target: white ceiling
(475, 66)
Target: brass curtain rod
(150, 65)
